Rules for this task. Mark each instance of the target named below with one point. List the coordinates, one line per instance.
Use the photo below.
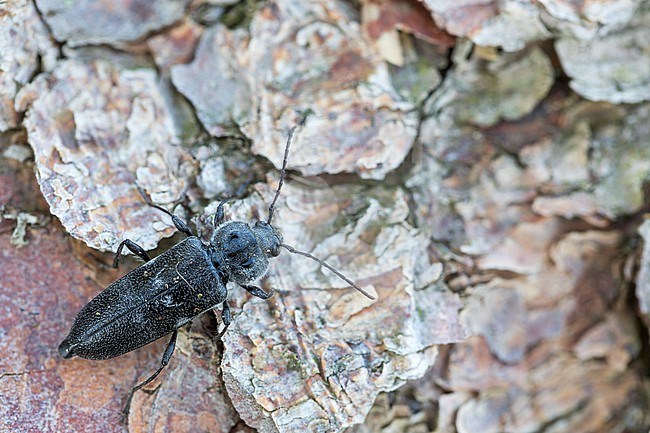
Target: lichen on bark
(476, 166)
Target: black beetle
(168, 291)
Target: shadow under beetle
(168, 291)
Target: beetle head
(241, 252)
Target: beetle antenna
(283, 170)
(337, 273)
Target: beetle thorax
(241, 251)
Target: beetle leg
(219, 216)
(256, 291)
(178, 223)
(133, 247)
(165, 360)
(225, 317)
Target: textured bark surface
(480, 166)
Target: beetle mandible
(168, 291)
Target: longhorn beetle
(168, 291)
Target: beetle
(168, 291)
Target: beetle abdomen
(147, 303)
